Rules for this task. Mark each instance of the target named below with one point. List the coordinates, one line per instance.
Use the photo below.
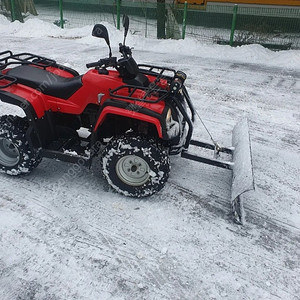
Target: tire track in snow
(217, 204)
(66, 222)
(283, 236)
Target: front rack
(157, 71)
(149, 91)
(7, 58)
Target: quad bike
(133, 116)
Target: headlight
(169, 115)
(172, 126)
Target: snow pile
(31, 28)
(255, 54)
(3, 20)
(35, 27)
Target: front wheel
(134, 166)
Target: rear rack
(12, 80)
(7, 58)
(132, 89)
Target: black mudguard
(30, 114)
(21, 102)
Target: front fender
(130, 110)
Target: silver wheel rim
(133, 170)
(9, 153)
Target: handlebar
(92, 65)
(111, 61)
(106, 62)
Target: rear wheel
(134, 166)
(16, 157)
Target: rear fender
(26, 98)
(25, 105)
(31, 115)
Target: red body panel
(93, 84)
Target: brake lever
(125, 50)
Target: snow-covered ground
(65, 235)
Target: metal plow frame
(241, 165)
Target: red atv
(135, 116)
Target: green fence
(16, 8)
(274, 27)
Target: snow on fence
(272, 26)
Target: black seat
(46, 82)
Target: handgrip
(92, 65)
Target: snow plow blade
(241, 165)
(242, 169)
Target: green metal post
(161, 19)
(118, 13)
(184, 20)
(235, 9)
(61, 13)
(13, 10)
(146, 16)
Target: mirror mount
(100, 31)
(126, 27)
(110, 53)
